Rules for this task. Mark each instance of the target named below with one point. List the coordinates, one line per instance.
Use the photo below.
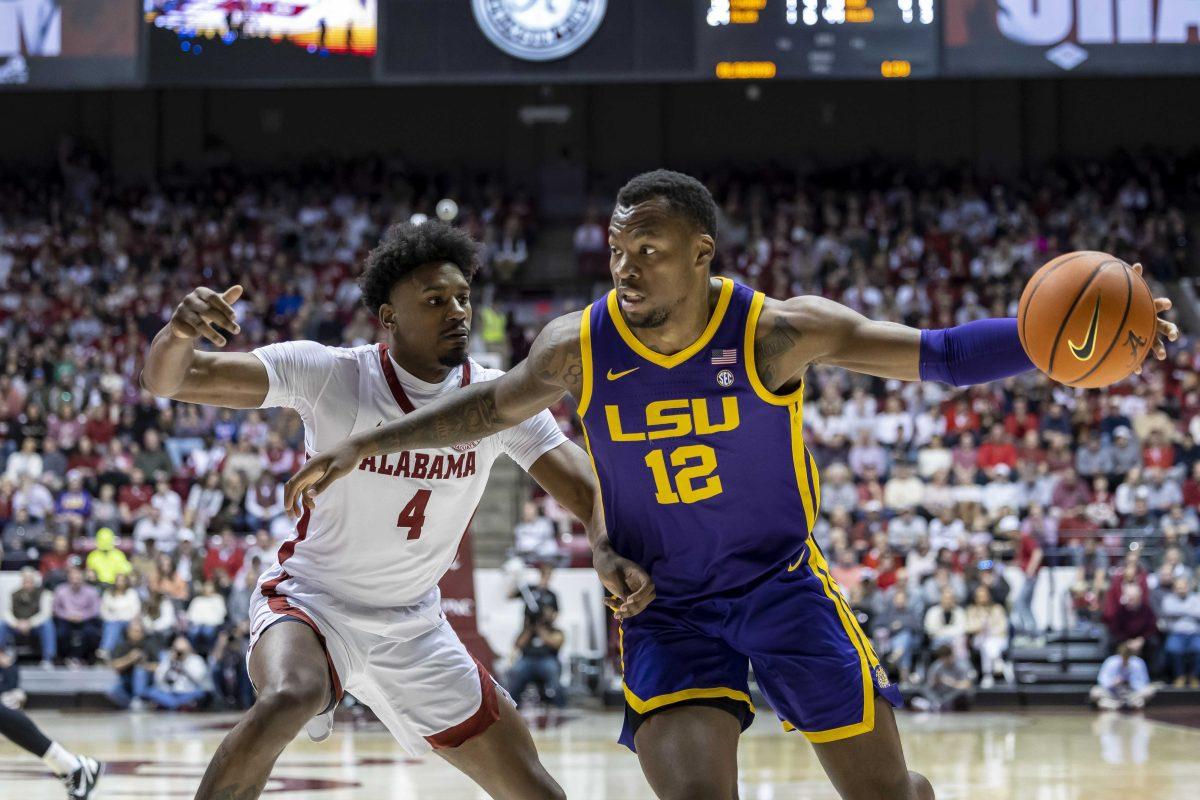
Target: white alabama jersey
(381, 537)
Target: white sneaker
(320, 727)
(987, 682)
(82, 781)
(1108, 704)
(921, 703)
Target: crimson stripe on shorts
(483, 718)
(289, 547)
(278, 603)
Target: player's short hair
(685, 195)
(406, 246)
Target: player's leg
(871, 766)
(430, 692)
(79, 773)
(289, 666)
(687, 700)
(689, 752)
(817, 669)
(504, 761)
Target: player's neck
(686, 324)
(419, 366)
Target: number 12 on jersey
(697, 461)
(413, 515)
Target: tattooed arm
(554, 368)
(792, 334)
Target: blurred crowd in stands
(140, 525)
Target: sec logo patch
(725, 379)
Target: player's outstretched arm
(554, 368)
(795, 333)
(176, 369)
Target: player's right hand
(203, 307)
(628, 582)
(301, 490)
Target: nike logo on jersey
(612, 376)
(1084, 351)
(799, 561)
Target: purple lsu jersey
(703, 472)
(707, 484)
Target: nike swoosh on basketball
(612, 376)
(1084, 351)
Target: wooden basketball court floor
(1042, 755)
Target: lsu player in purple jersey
(690, 389)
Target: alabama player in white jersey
(358, 578)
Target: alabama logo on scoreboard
(539, 30)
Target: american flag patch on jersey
(725, 356)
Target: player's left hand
(629, 584)
(301, 490)
(1166, 331)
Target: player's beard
(651, 319)
(453, 358)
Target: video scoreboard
(818, 39)
(163, 43)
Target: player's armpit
(795, 333)
(566, 474)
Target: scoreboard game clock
(819, 39)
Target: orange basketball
(1086, 319)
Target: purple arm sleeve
(978, 352)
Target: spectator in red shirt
(887, 574)
(133, 498)
(1191, 487)
(1030, 449)
(226, 554)
(960, 418)
(1131, 619)
(1020, 421)
(99, 426)
(1158, 452)
(1030, 557)
(997, 449)
(85, 457)
(53, 565)
(1071, 493)
(964, 455)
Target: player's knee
(922, 789)
(301, 698)
(695, 787)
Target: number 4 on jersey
(413, 515)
